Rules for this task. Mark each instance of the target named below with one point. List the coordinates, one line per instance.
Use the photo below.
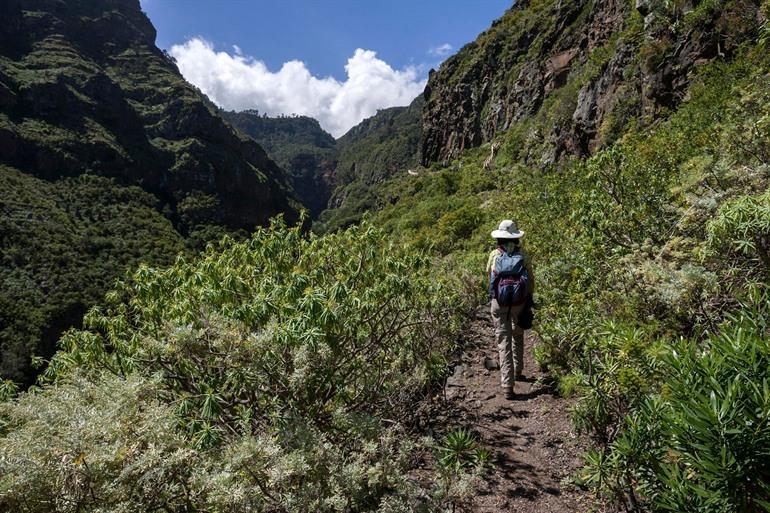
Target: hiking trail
(534, 449)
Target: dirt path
(534, 448)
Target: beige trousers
(506, 333)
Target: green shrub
(701, 444)
(456, 226)
(618, 371)
(271, 362)
(84, 445)
(459, 450)
(461, 461)
(743, 226)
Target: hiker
(511, 285)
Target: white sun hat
(507, 230)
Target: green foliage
(373, 151)
(64, 243)
(764, 29)
(197, 208)
(618, 372)
(8, 390)
(277, 322)
(267, 366)
(338, 179)
(283, 370)
(86, 445)
(461, 461)
(633, 247)
(457, 225)
(743, 226)
(283, 137)
(459, 450)
(300, 146)
(701, 444)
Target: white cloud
(238, 82)
(441, 50)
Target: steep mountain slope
(590, 66)
(117, 158)
(337, 180)
(300, 146)
(370, 153)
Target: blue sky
(236, 50)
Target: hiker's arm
(487, 270)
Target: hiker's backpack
(509, 281)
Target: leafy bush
(743, 226)
(701, 444)
(86, 445)
(461, 461)
(459, 450)
(283, 353)
(618, 373)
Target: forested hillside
(108, 158)
(337, 180)
(301, 372)
(301, 147)
(371, 152)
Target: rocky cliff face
(574, 71)
(84, 89)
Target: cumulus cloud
(441, 50)
(238, 82)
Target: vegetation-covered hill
(591, 66)
(301, 147)
(108, 158)
(648, 219)
(371, 152)
(337, 180)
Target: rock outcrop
(574, 70)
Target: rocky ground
(535, 451)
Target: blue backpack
(509, 281)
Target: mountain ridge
(94, 114)
(336, 179)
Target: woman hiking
(511, 285)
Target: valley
(213, 310)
